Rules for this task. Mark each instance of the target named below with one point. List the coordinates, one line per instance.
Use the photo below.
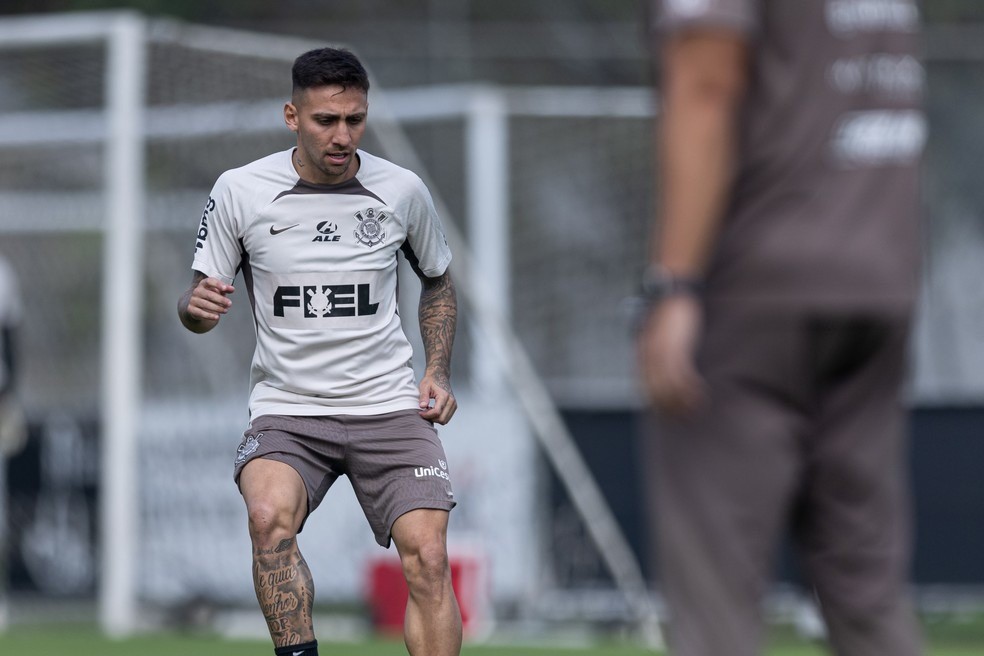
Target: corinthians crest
(370, 229)
(247, 447)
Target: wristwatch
(658, 283)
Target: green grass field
(945, 639)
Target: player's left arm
(438, 315)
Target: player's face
(329, 122)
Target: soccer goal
(112, 130)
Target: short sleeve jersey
(824, 211)
(319, 263)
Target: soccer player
(315, 231)
(781, 282)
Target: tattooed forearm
(285, 590)
(438, 320)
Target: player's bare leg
(432, 626)
(276, 502)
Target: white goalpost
(121, 352)
(149, 146)
(484, 277)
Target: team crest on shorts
(247, 447)
(370, 229)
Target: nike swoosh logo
(295, 653)
(274, 231)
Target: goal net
(113, 130)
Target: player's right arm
(218, 254)
(201, 307)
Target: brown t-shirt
(825, 208)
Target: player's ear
(290, 116)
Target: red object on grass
(388, 593)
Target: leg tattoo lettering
(285, 590)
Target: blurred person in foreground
(781, 278)
(13, 429)
(316, 230)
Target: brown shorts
(394, 461)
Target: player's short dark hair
(327, 67)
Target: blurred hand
(208, 301)
(437, 402)
(667, 347)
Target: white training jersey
(319, 263)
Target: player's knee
(269, 523)
(426, 567)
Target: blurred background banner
(531, 122)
